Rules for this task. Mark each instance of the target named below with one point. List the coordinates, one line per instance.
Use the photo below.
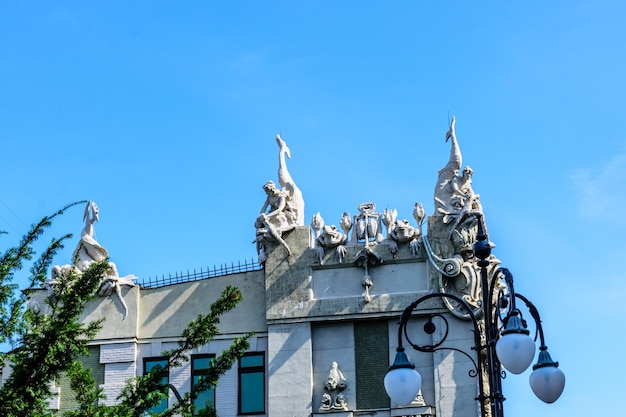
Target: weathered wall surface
(166, 311)
(300, 287)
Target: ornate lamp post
(499, 342)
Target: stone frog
(329, 238)
(400, 232)
(403, 232)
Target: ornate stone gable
(371, 246)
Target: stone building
(324, 304)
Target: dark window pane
(159, 408)
(149, 365)
(252, 360)
(199, 368)
(252, 383)
(252, 392)
(152, 363)
(203, 398)
(201, 363)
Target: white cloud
(601, 192)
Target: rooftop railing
(215, 271)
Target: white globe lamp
(547, 380)
(515, 348)
(402, 382)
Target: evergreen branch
(53, 342)
(146, 391)
(11, 261)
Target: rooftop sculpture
(283, 209)
(458, 209)
(448, 245)
(454, 196)
(367, 235)
(360, 240)
(88, 251)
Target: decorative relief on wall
(367, 230)
(366, 234)
(366, 257)
(283, 209)
(88, 250)
(366, 226)
(333, 398)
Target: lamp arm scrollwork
(407, 313)
(512, 308)
(478, 346)
(535, 315)
(501, 338)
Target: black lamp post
(500, 342)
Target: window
(148, 365)
(252, 383)
(199, 368)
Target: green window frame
(148, 365)
(252, 383)
(200, 367)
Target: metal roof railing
(215, 271)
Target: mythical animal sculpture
(401, 231)
(327, 237)
(458, 210)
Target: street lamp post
(499, 342)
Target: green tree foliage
(51, 342)
(145, 392)
(46, 343)
(12, 322)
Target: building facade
(324, 308)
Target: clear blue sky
(165, 114)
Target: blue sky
(165, 114)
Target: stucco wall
(166, 311)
